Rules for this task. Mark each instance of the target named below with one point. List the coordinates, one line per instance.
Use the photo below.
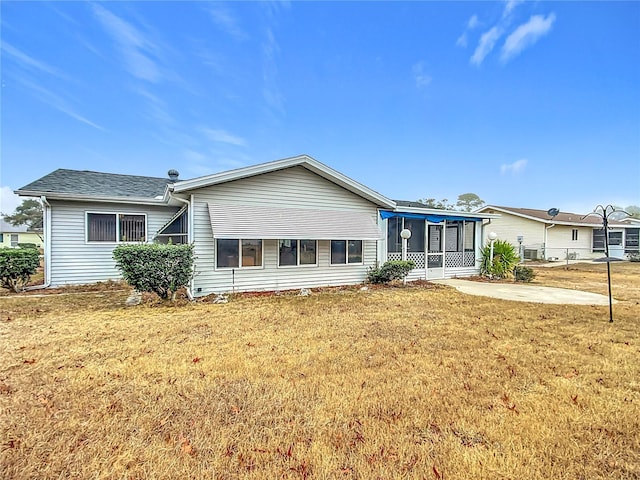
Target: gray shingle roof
(409, 203)
(96, 184)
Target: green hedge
(155, 268)
(523, 274)
(16, 267)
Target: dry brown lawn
(414, 382)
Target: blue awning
(434, 218)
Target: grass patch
(415, 382)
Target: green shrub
(523, 274)
(16, 267)
(505, 258)
(391, 270)
(27, 245)
(155, 268)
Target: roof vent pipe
(173, 175)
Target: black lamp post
(605, 213)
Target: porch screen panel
(598, 240)
(434, 257)
(417, 227)
(632, 240)
(469, 236)
(452, 238)
(394, 241)
(435, 239)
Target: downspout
(46, 224)
(546, 234)
(189, 234)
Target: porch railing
(452, 259)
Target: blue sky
(527, 104)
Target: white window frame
(298, 264)
(116, 215)
(240, 266)
(347, 262)
(574, 234)
(14, 239)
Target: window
(228, 253)
(14, 239)
(116, 227)
(598, 240)
(346, 251)
(574, 234)
(176, 231)
(297, 252)
(615, 238)
(632, 240)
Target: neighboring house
(286, 224)
(11, 236)
(564, 236)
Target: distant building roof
(96, 184)
(6, 227)
(543, 216)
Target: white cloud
(509, 6)
(487, 42)
(226, 21)
(422, 79)
(8, 200)
(526, 35)
(56, 101)
(134, 46)
(513, 168)
(222, 136)
(30, 62)
(462, 40)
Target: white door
(435, 256)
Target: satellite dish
(552, 212)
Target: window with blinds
(116, 227)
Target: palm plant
(505, 258)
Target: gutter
(546, 234)
(188, 203)
(88, 198)
(46, 224)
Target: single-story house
(572, 236)
(11, 236)
(286, 224)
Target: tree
(439, 204)
(634, 211)
(28, 213)
(469, 201)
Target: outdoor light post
(492, 238)
(605, 213)
(406, 235)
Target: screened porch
(438, 243)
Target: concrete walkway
(526, 293)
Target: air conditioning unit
(531, 254)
